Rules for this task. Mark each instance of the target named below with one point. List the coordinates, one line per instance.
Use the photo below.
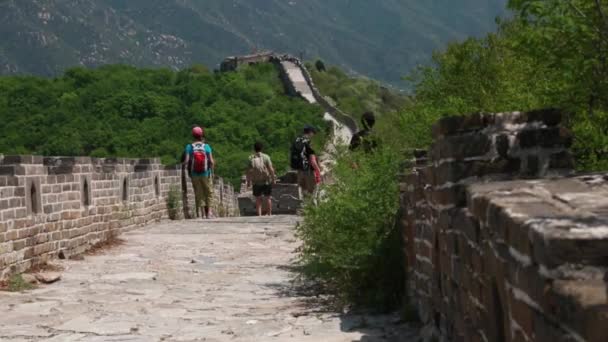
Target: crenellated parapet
(62, 206)
(503, 241)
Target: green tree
(129, 112)
(571, 36)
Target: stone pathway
(221, 280)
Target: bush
(320, 66)
(16, 283)
(355, 96)
(591, 141)
(174, 202)
(350, 242)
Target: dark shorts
(262, 190)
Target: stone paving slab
(221, 280)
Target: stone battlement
(503, 241)
(62, 206)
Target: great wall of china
(62, 206)
(503, 240)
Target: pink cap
(197, 132)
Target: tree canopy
(123, 111)
(550, 54)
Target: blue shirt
(191, 153)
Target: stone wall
(56, 206)
(287, 197)
(342, 117)
(503, 242)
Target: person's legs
(206, 194)
(197, 185)
(307, 182)
(269, 204)
(302, 181)
(268, 196)
(258, 205)
(257, 193)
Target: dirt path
(224, 280)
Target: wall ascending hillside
(62, 206)
(503, 243)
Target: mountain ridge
(383, 40)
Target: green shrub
(591, 141)
(16, 283)
(174, 202)
(350, 242)
(355, 96)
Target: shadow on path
(313, 300)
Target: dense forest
(129, 112)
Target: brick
(8, 215)
(523, 315)
(453, 195)
(561, 160)
(461, 146)
(550, 117)
(456, 170)
(453, 124)
(19, 244)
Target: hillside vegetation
(380, 39)
(123, 111)
(551, 54)
(355, 96)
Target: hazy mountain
(382, 39)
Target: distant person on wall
(304, 160)
(261, 174)
(199, 158)
(363, 138)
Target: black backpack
(299, 159)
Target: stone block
(549, 117)
(453, 124)
(455, 171)
(7, 170)
(561, 160)
(532, 166)
(455, 195)
(461, 146)
(582, 306)
(522, 315)
(59, 165)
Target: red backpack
(200, 160)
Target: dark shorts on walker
(262, 190)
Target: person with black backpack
(304, 160)
(199, 159)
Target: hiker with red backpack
(261, 174)
(199, 158)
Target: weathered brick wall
(52, 206)
(287, 197)
(342, 117)
(494, 252)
